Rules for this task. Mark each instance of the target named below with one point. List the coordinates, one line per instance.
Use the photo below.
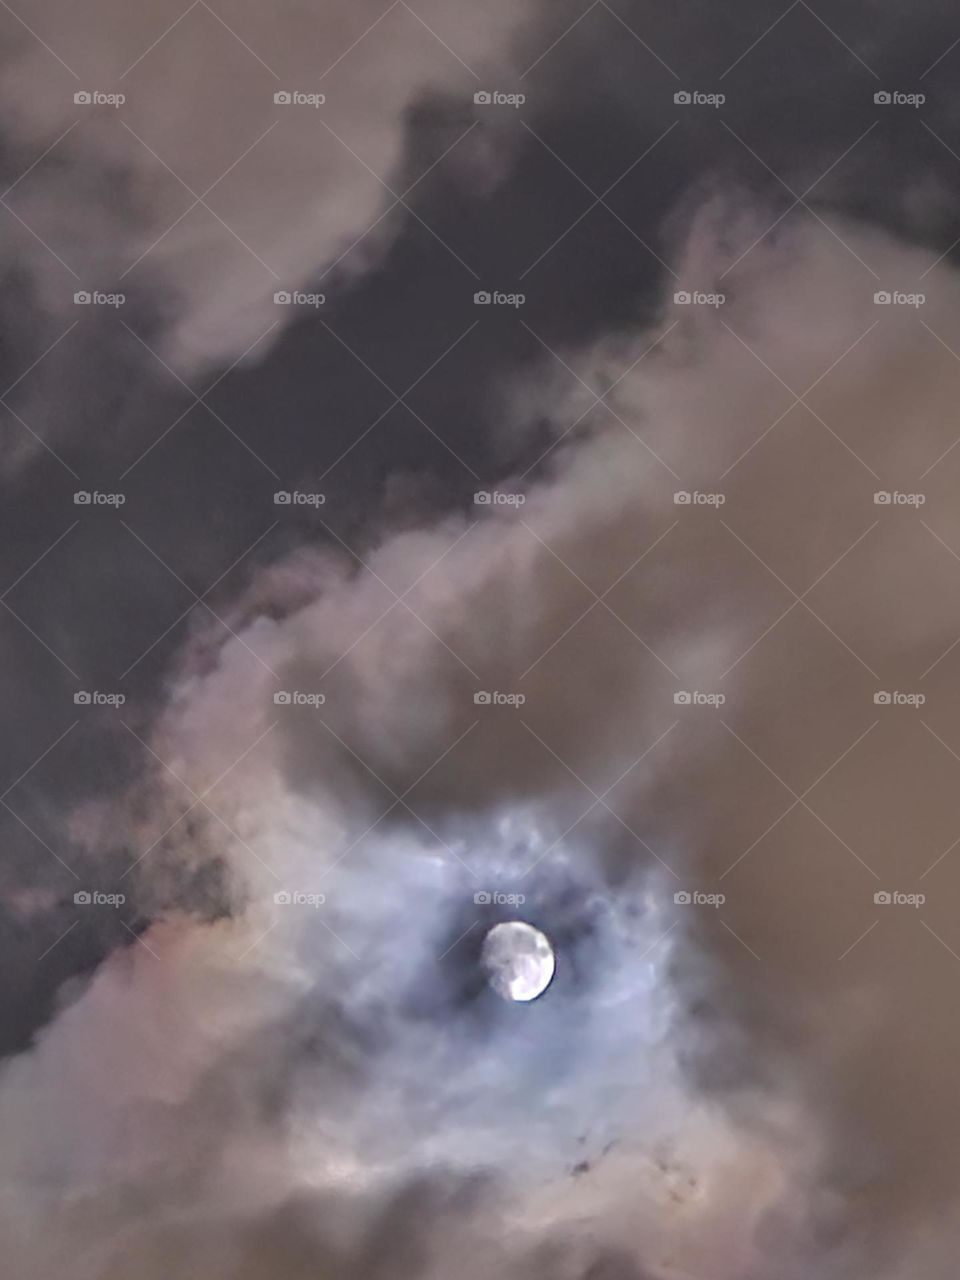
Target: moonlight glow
(519, 960)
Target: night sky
(466, 463)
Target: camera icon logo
(481, 498)
(882, 698)
(681, 498)
(282, 498)
(482, 898)
(482, 698)
(82, 98)
(882, 98)
(81, 698)
(882, 498)
(682, 298)
(82, 298)
(482, 298)
(282, 897)
(682, 698)
(882, 898)
(82, 898)
(482, 98)
(282, 98)
(682, 98)
(882, 298)
(283, 298)
(81, 498)
(682, 898)
(282, 698)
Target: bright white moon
(518, 959)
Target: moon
(518, 959)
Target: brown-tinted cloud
(344, 1045)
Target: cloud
(198, 196)
(706, 1083)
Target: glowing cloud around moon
(518, 960)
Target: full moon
(518, 959)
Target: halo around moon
(518, 960)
